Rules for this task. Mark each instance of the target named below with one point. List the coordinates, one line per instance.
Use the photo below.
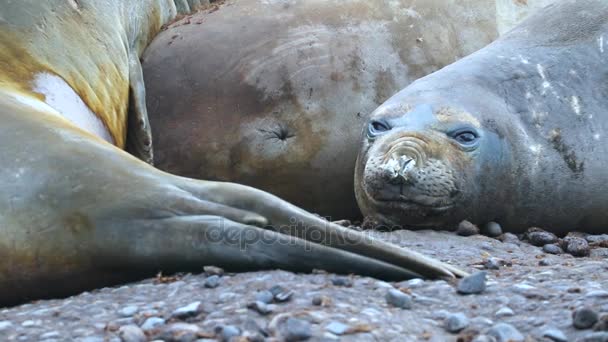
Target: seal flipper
(139, 133)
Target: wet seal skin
(78, 212)
(514, 133)
(273, 94)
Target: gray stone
(492, 229)
(337, 328)
(190, 310)
(584, 318)
(260, 307)
(539, 237)
(504, 332)
(152, 323)
(131, 333)
(5, 325)
(484, 338)
(457, 322)
(576, 246)
(504, 312)
(342, 281)
(50, 334)
(597, 294)
(179, 332)
(280, 293)
(295, 329)
(595, 337)
(212, 282)
(473, 284)
(492, 263)
(128, 311)
(599, 253)
(264, 296)
(553, 249)
(466, 228)
(227, 332)
(555, 335)
(399, 299)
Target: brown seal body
(513, 133)
(274, 94)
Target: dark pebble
(576, 246)
(280, 293)
(295, 329)
(539, 237)
(584, 318)
(544, 262)
(492, 229)
(473, 284)
(466, 228)
(552, 249)
(602, 324)
(212, 282)
(342, 281)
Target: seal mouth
(403, 202)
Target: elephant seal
(514, 133)
(78, 212)
(273, 94)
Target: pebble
(576, 246)
(473, 284)
(595, 337)
(152, 323)
(504, 312)
(190, 310)
(337, 328)
(213, 270)
(597, 294)
(131, 333)
(128, 311)
(504, 332)
(492, 229)
(5, 325)
(466, 228)
(457, 322)
(179, 332)
(264, 296)
(553, 249)
(399, 299)
(555, 335)
(544, 262)
(484, 338)
(342, 281)
(509, 238)
(212, 282)
(596, 238)
(227, 332)
(492, 264)
(584, 318)
(295, 329)
(599, 253)
(602, 324)
(260, 307)
(539, 237)
(281, 294)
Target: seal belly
(62, 98)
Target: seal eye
(465, 137)
(377, 127)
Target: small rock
(179, 332)
(504, 312)
(492, 264)
(295, 329)
(473, 284)
(264, 296)
(457, 322)
(466, 228)
(504, 332)
(595, 337)
(599, 253)
(337, 328)
(212, 270)
(576, 246)
(552, 249)
(227, 332)
(544, 262)
(484, 338)
(596, 238)
(602, 324)
(321, 300)
(280, 294)
(212, 282)
(260, 307)
(492, 229)
(131, 333)
(584, 318)
(5, 325)
(399, 299)
(50, 335)
(555, 335)
(128, 311)
(539, 237)
(152, 323)
(414, 283)
(342, 281)
(597, 294)
(190, 310)
(509, 238)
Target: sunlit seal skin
(515, 133)
(78, 212)
(274, 94)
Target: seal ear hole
(280, 132)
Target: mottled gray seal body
(513, 133)
(78, 212)
(274, 94)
